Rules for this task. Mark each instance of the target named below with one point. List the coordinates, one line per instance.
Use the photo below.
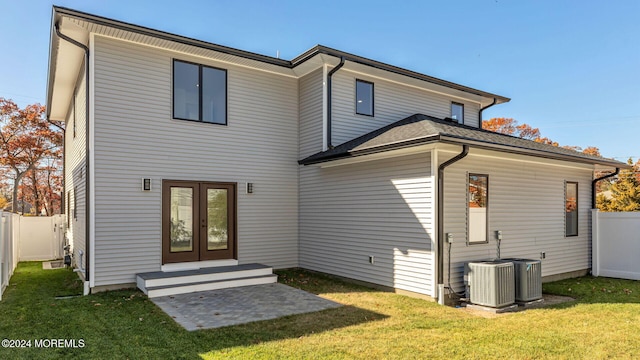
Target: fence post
(595, 244)
(2, 255)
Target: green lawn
(604, 322)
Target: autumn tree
(625, 193)
(27, 140)
(4, 191)
(41, 185)
(527, 132)
(511, 127)
(592, 150)
(500, 125)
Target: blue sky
(571, 68)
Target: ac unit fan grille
(491, 283)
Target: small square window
(457, 112)
(364, 97)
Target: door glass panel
(181, 219)
(217, 225)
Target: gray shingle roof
(422, 129)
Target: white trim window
(457, 112)
(477, 208)
(364, 97)
(570, 208)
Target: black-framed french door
(198, 221)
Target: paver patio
(225, 307)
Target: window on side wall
(68, 207)
(570, 208)
(477, 208)
(75, 203)
(364, 97)
(199, 93)
(457, 112)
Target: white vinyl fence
(8, 247)
(616, 244)
(41, 237)
(25, 238)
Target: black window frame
(75, 203)
(453, 103)
(200, 87)
(373, 97)
(486, 241)
(68, 207)
(577, 225)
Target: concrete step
(194, 265)
(209, 285)
(162, 283)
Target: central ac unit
(490, 283)
(528, 279)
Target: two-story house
(184, 157)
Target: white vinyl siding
(393, 102)
(310, 90)
(136, 138)
(75, 173)
(526, 202)
(381, 208)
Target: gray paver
(234, 306)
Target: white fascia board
(377, 156)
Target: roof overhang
(78, 25)
(381, 70)
(599, 164)
(426, 143)
(63, 78)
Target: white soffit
(315, 62)
(377, 156)
(69, 51)
(69, 59)
(527, 159)
(182, 48)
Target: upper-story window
(457, 112)
(199, 93)
(364, 97)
